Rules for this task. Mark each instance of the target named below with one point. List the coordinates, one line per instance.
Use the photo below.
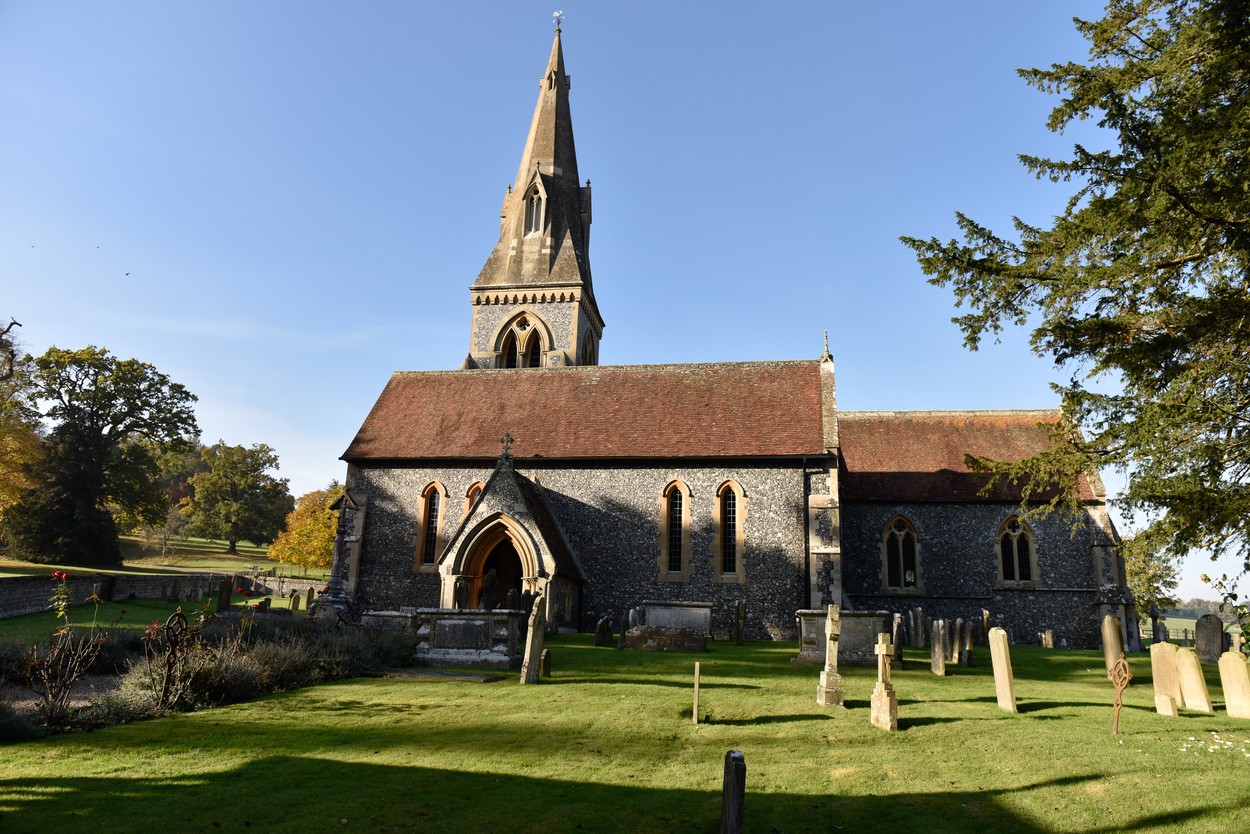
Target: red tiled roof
(625, 411)
(919, 455)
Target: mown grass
(607, 744)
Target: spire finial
(826, 356)
(558, 17)
(507, 440)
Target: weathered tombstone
(740, 622)
(514, 599)
(694, 712)
(527, 601)
(829, 691)
(896, 637)
(965, 656)
(1193, 684)
(263, 605)
(985, 623)
(1048, 638)
(633, 617)
(1155, 614)
(1209, 639)
(955, 642)
(1112, 642)
(1235, 681)
(620, 641)
(733, 793)
(918, 639)
(544, 661)
(461, 592)
(294, 602)
(1160, 633)
(884, 700)
(937, 651)
(308, 600)
(603, 632)
(1238, 640)
(531, 665)
(1167, 682)
(486, 596)
(224, 592)
(1004, 680)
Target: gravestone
(1209, 639)
(740, 622)
(1160, 633)
(918, 639)
(884, 700)
(224, 592)
(1004, 680)
(911, 628)
(1112, 642)
(694, 711)
(294, 602)
(829, 690)
(985, 623)
(545, 662)
(1155, 614)
(460, 594)
(733, 793)
(1193, 684)
(897, 637)
(514, 599)
(531, 665)
(1048, 638)
(965, 656)
(308, 600)
(1167, 682)
(1236, 641)
(263, 605)
(633, 617)
(1235, 681)
(603, 632)
(937, 649)
(956, 642)
(486, 595)
(620, 641)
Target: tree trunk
(233, 549)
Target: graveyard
(609, 742)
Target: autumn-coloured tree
(308, 539)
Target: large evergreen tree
(93, 466)
(1141, 287)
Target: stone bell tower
(533, 303)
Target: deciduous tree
(93, 465)
(1140, 288)
(236, 498)
(308, 539)
(19, 425)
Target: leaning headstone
(829, 691)
(1235, 681)
(224, 592)
(896, 637)
(1193, 684)
(1004, 680)
(1209, 639)
(531, 665)
(937, 651)
(1167, 682)
(620, 641)
(884, 700)
(1112, 642)
(733, 793)
(956, 641)
(544, 661)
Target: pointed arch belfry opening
(523, 341)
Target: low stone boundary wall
(29, 594)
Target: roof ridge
(950, 412)
(586, 369)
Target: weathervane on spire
(558, 17)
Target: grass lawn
(607, 745)
(188, 554)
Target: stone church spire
(533, 302)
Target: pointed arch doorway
(501, 546)
(504, 560)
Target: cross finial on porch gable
(507, 440)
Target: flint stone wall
(611, 516)
(29, 594)
(959, 569)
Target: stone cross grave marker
(1209, 639)
(531, 666)
(937, 649)
(1112, 643)
(829, 690)
(884, 700)
(1004, 680)
(1167, 682)
(1235, 681)
(1193, 684)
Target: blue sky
(280, 203)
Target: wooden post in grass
(733, 793)
(694, 715)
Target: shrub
(16, 727)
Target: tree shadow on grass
(345, 795)
(768, 719)
(703, 684)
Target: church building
(533, 468)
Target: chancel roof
(742, 409)
(920, 455)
